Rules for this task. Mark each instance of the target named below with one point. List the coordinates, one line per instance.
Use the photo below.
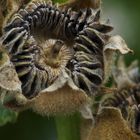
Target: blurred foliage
(7, 115)
(68, 127)
(59, 1)
(29, 126)
(124, 15)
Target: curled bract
(116, 44)
(61, 97)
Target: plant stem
(68, 127)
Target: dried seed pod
(36, 71)
(60, 95)
(122, 99)
(127, 96)
(128, 104)
(37, 68)
(84, 26)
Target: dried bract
(114, 45)
(111, 126)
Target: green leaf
(7, 115)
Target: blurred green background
(125, 17)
